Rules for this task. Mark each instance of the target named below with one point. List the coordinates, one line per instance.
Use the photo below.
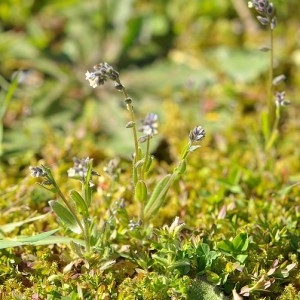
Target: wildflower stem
(86, 231)
(136, 145)
(143, 171)
(274, 132)
(271, 104)
(147, 154)
(129, 107)
(132, 118)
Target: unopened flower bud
(37, 172)
(128, 101)
(197, 134)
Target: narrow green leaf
(58, 240)
(4, 105)
(107, 265)
(180, 263)
(65, 216)
(89, 195)
(81, 205)
(11, 226)
(9, 244)
(157, 197)
(25, 240)
(8, 96)
(87, 186)
(272, 139)
(50, 240)
(37, 237)
(141, 192)
(148, 163)
(134, 174)
(265, 126)
(181, 167)
(185, 151)
(240, 242)
(284, 191)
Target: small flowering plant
(266, 11)
(267, 17)
(73, 210)
(149, 203)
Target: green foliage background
(192, 62)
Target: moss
(201, 290)
(289, 293)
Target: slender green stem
(147, 156)
(136, 144)
(142, 176)
(87, 239)
(160, 197)
(132, 118)
(136, 147)
(271, 104)
(274, 132)
(141, 212)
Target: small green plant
(169, 253)
(267, 17)
(236, 248)
(276, 272)
(241, 234)
(74, 211)
(149, 203)
(205, 257)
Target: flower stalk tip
(37, 172)
(103, 72)
(149, 125)
(80, 168)
(197, 134)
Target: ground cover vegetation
(149, 149)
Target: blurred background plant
(191, 62)
(52, 42)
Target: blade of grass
(4, 105)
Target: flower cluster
(80, 169)
(102, 72)
(42, 172)
(133, 225)
(149, 125)
(266, 11)
(280, 99)
(37, 172)
(197, 134)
